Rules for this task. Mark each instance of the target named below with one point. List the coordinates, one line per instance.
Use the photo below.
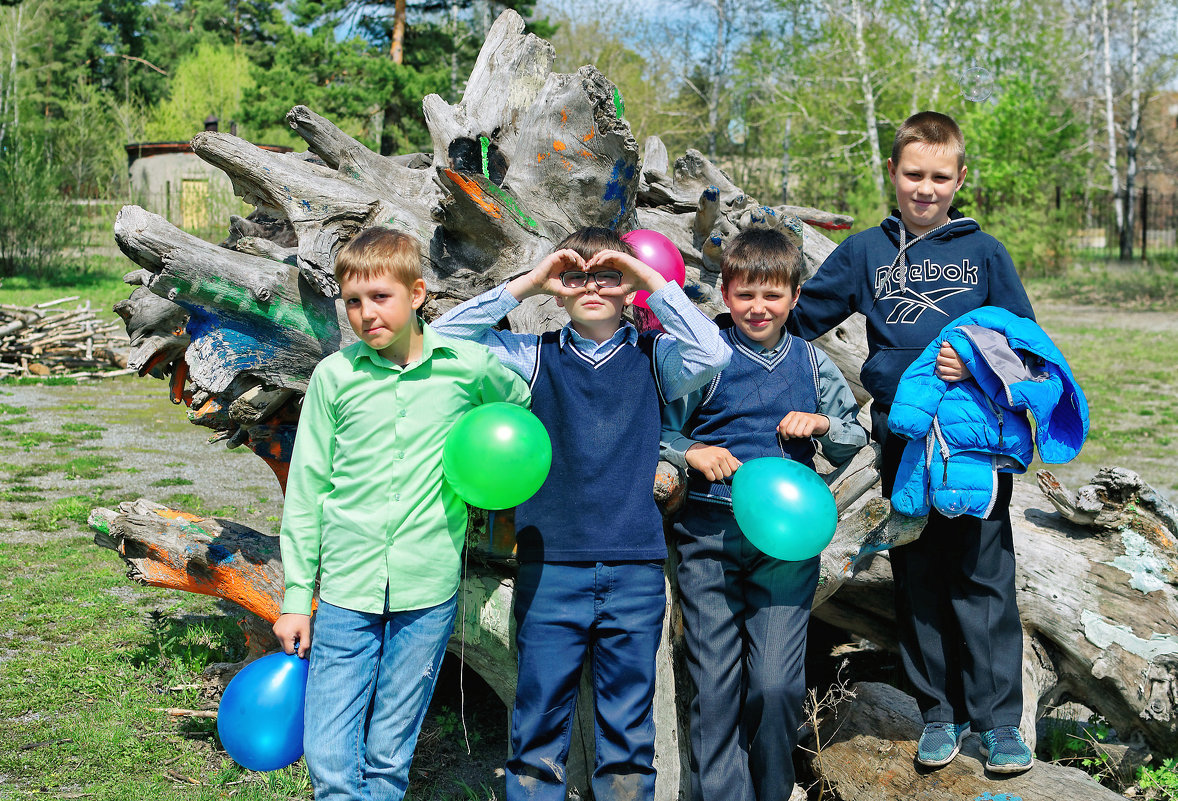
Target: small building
(170, 180)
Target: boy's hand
(950, 367)
(294, 630)
(713, 461)
(544, 278)
(636, 274)
(796, 425)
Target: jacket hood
(958, 225)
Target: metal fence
(1155, 224)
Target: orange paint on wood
(589, 135)
(541, 157)
(179, 379)
(475, 193)
(558, 146)
(176, 514)
(564, 116)
(160, 570)
(208, 408)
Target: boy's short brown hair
(762, 256)
(380, 251)
(587, 242)
(930, 128)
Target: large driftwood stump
(1098, 604)
(524, 158)
(865, 748)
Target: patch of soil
(152, 443)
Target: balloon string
(462, 650)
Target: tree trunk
(1096, 592)
(866, 746)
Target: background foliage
(797, 100)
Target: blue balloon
(260, 719)
(783, 507)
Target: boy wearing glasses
(590, 542)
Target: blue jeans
(611, 614)
(370, 683)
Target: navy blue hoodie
(908, 288)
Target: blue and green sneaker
(939, 743)
(1005, 750)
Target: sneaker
(1005, 750)
(939, 743)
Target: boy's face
(926, 178)
(381, 309)
(595, 308)
(759, 311)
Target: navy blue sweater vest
(742, 406)
(597, 503)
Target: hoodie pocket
(881, 372)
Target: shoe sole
(941, 762)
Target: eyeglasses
(605, 279)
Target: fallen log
(1098, 604)
(865, 748)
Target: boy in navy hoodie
(956, 613)
(745, 613)
(590, 542)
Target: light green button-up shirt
(366, 504)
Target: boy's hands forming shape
(950, 367)
(636, 274)
(713, 461)
(803, 424)
(544, 278)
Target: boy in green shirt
(368, 511)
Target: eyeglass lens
(606, 279)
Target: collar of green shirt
(431, 341)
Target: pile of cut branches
(50, 339)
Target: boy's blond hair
(930, 128)
(380, 251)
(761, 256)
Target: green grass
(100, 281)
(1131, 285)
(86, 664)
(188, 502)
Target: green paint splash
(619, 104)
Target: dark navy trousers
(744, 616)
(612, 615)
(961, 642)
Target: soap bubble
(977, 84)
(950, 502)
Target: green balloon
(497, 455)
(783, 508)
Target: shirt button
(402, 413)
(400, 454)
(396, 496)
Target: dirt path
(156, 454)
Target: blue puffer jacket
(963, 433)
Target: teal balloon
(783, 508)
(260, 717)
(497, 455)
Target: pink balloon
(659, 253)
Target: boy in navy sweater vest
(745, 613)
(590, 542)
(956, 612)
